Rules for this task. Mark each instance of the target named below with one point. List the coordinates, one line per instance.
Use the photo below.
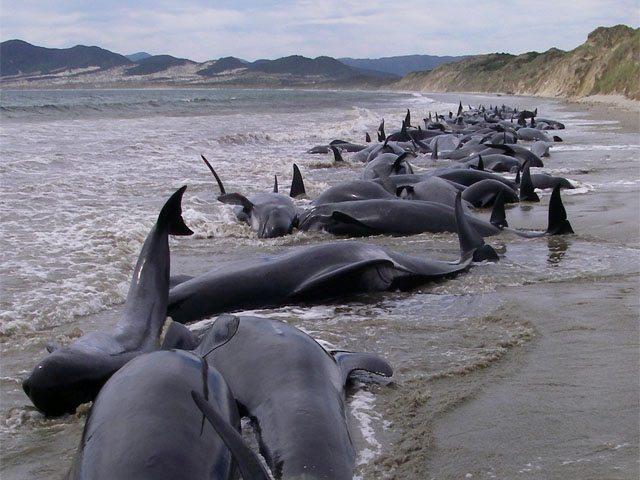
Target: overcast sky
(252, 29)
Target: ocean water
(84, 174)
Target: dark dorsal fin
(369, 362)
(407, 188)
(248, 462)
(367, 137)
(222, 330)
(176, 335)
(404, 127)
(480, 163)
(558, 222)
(275, 184)
(381, 135)
(527, 192)
(407, 119)
(434, 153)
(471, 242)
(517, 179)
(220, 185)
(337, 156)
(237, 199)
(171, 215)
(398, 161)
(297, 184)
(557, 138)
(498, 215)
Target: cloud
(252, 29)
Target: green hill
(607, 63)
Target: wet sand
(564, 403)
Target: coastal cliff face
(608, 63)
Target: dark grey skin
(540, 148)
(270, 215)
(518, 151)
(388, 217)
(496, 163)
(386, 164)
(532, 134)
(316, 273)
(555, 125)
(144, 423)
(341, 144)
(543, 181)
(468, 177)
(433, 189)
(352, 191)
(484, 193)
(74, 374)
(293, 389)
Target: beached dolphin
(269, 214)
(144, 423)
(484, 193)
(387, 164)
(341, 144)
(390, 217)
(294, 391)
(72, 375)
(433, 189)
(353, 190)
(317, 273)
(407, 217)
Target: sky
(251, 29)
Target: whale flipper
(222, 330)
(220, 185)
(369, 362)
(237, 199)
(248, 462)
(558, 223)
(297, 184)
(331, 274)
(337, 156)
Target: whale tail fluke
(248, 462)
(558, 222)
(171, 215)
(471, 242)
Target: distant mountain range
(134, 57)
(607, 63)
(400, 65)
(23, 64)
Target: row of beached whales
(167, 403)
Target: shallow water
(84, 174)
